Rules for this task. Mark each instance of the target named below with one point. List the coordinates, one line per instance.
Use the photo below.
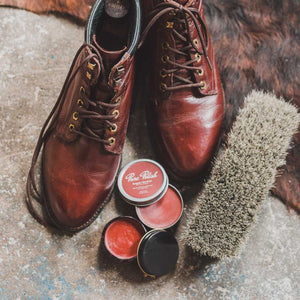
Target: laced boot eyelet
(195, 42)
(71, 127)
(116, 113)
(117, 81)
(117, 100)
(89, 75)
(163, 87)
(82, 90)
(121, 69)
(172, 13)
(75, 116)
(111, 140)
(163, 74)
(165, 45)
(198, 57)
(165, 58)
(113, 128)
(200, 72)
(202, 85)
(91, 66)
(80, 103)
(170, 24)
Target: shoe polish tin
(121, 237)
(143, 182)
(157, 253)
(164, 213)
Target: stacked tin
(144, 183)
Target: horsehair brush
(242, 176)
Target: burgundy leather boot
(83, 137)
(187, 100)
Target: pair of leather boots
(83, 137)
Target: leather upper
(82, 154)
(186, 121)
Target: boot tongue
(183, 2)
(110, 58)
(102, 92)
(179, 44)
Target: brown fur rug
(257, 44)
(76, 8)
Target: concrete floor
(37, 263)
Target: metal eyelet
(195, 42)
(190, 23)
(120, 69)
(117, 81)
(91, 66)
(172, 13)
(116, 113)
(71, 127)
(80, 103)
(113, 128)
(117, 100)
(82, 90)
(89, 75)
(202, 85)
(198, 57)
(163, 74)
(165, 58)
(163, 87)
(200, 72)
(170, 24)
(165, 45)
(75, 116)
(111, 140)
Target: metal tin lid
(157, 253)
(164, 213)
(143, 182)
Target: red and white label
(142, 180)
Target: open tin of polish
(164, 213)
(122, 236)
(143, 182)
(156, 251)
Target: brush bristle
(242, 175)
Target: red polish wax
(163, 213)
(122, 237)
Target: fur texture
(242, 175)
(77, 8)
(257, 44)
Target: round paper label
(142, 179)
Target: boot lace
(182, 16)
(94, 120)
